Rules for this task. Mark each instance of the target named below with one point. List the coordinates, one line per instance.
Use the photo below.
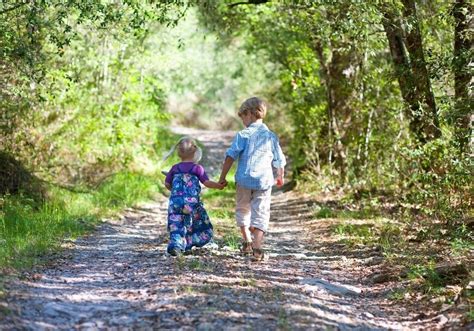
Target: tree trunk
(463, 51)
(425, 96)
(411, 72)
(338, 91)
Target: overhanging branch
(18, 5)
(250, 2)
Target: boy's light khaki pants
(253, 208)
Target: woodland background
(372, 101)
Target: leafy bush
(124, 189)
(437, 180)
(15, 179)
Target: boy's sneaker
(258, 254)
(246, 248)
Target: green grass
(460, 246)
(397, 295)
(282, 322)
(385, 235)
(224, 199)
(461, 240)
(430, 280)
(220, 205)
(232, 239)
(125, 189)
(362, 231)
(29, 230)
(470, 316)
(326, 212)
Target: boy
(258, 151)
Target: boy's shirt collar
(256, 124)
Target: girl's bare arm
(212, 184)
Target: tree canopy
(372, 96)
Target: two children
(258, 152)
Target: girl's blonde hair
(255, 106)
(187, 148)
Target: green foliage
(357, 230)
(89, 89)
(461, 240)
(111, 116)
(223, 202)
(232, 240)
(282, 322)
(362, 213)
(32, 33)
(397, 295)
(470, 315)
(220, 205)
(206, 81)
(438, 179)
(124, 189)
(431, 280)
(461, 246)
(382, 233)
(198, 265)
(324, 212)
(16, 179)
(29, 230)
(79, 104)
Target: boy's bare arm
(280, 172)
(225, 169)
(212, 184)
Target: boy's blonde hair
(255, 106)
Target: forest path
(121, 277)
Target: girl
(188, 222)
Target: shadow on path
(121, 277)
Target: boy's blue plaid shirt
(257, 150)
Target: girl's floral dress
(188, 222)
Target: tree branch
(250, 2)
(18, 5)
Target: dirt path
(121, 277)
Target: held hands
(215, 185)
(223, 183)
(220, 186)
